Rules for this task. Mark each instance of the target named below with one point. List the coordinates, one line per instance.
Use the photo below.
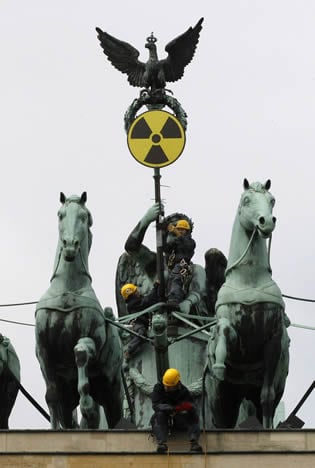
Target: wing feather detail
(123, 56)
(180, 52)
(130, 270)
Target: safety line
(18, 323)
(295, 325)
(18, 304)
(298, 298)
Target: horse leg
(85, 350)
(8, 393)
(267, 396)
(224, 335)
(225, 404)
(51, 395)
(113, 405)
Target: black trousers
(175, 292)
(187, 420)
(135, 342)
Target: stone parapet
(68, 449)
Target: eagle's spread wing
(123, 56)
(180, 52)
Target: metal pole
(130, 405)
(159, 235)
(159, 320)
(28, 395)
(300, 403)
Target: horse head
(74, 223)
(255, 208)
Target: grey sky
(250, 99)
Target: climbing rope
(130, 317)
(18, 304)
(18, 323)
(298, 298)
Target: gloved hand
(185, 307)
(151, 214)
(185, 406)
(170, 227)
(165, 407)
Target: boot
(161, 447)
(194, 446)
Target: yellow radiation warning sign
(156, 138)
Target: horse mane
(257, 187)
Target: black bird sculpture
(154, 74)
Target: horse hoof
(219, 371)
(80, 357)
(86, 403)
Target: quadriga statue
(9, 380)
(164, 346)
(79, 352)
(249, 349)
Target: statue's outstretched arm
(136, 237)
(134, 244)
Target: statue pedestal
(135, 448)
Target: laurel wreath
(154, 100)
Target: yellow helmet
(127, 290)
(171, 378)
(183, 224)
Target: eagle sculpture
(153, 74)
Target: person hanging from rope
(180, 248)
(137, 303)
(171, 400)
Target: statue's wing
(130, 270)
(215, 266)
(123, 56)
(180, 52)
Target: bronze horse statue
(9, 380)
(249, 349)
(79, 352)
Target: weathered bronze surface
(153, 75)
(249, 350)
(78, 350)
(9, 379)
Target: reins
(269, 249)
(238, 261)
(84, 266)
(85, 270)
(57, 265)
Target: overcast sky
(250, 98)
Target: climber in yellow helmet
(171, 399)
(136, 302)
(180, 248)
